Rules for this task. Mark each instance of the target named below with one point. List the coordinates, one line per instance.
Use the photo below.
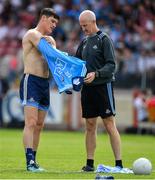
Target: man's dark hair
(49, 12)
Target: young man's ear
(43, 17)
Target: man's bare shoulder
(32, 35)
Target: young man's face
(50, 23)
(87, 27)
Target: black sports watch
(97, 74)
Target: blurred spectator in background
(151, 107)
(3, 90)
(140, 106)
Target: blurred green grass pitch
(62, 154)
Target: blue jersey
(64, 68)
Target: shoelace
(36, 165)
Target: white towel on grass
(109, 169)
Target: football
(142, 166)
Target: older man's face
(87, 27)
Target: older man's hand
(89, 78)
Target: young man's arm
(51, 40)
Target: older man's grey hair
(87, 15)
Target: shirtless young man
(34, 86)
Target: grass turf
(62, 154)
